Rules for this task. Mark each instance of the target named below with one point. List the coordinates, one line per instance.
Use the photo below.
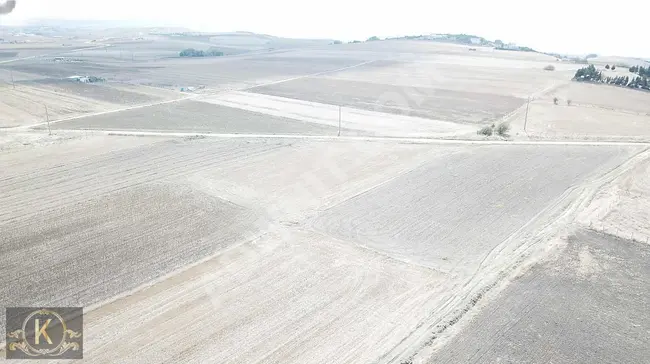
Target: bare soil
(197, 116)
(263, 248)
(588, 304)
(440, 104)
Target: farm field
(277, 296)
(247, 220)
(515, 78)
(443, 214)
(464, 107)
(33, 150)
(239, 71)
(114, 93)
(196, 116)
(607, 97)
(465, 88)
(358, 121)
(264, 203)
(110, 208)
(25, 104)
(126, 208)
(583, 121)
(10, 52)
(622, 207)
(587, 304)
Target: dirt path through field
(420, 140)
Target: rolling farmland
(261, 219)
(408, 238)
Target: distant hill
(619, 61)
(466, 39)
(246, 40)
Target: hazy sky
(549, 25)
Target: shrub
(487, 131)
(613, 67)
(191, 52)
(607, 67)
(213, 52)
(555, 100)
(550, 67)
(568, 102)
(503, 129)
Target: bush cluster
(191, 52)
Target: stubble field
(320, 250)
(99, 218)
(602, 119)
(197, 116)
(467, 107)
(452, 211)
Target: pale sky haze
(606, 28)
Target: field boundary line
(189, 97)
(24, 127)
(559, 219)
(414, 140)
(163, 278)
(309, 75)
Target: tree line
(591, 74)
(641, 71)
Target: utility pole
(526, 119)
(47, 116)
(339, 120)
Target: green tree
(372, 39)
(589, 74)
(607, 67)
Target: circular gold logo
(44, 332)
